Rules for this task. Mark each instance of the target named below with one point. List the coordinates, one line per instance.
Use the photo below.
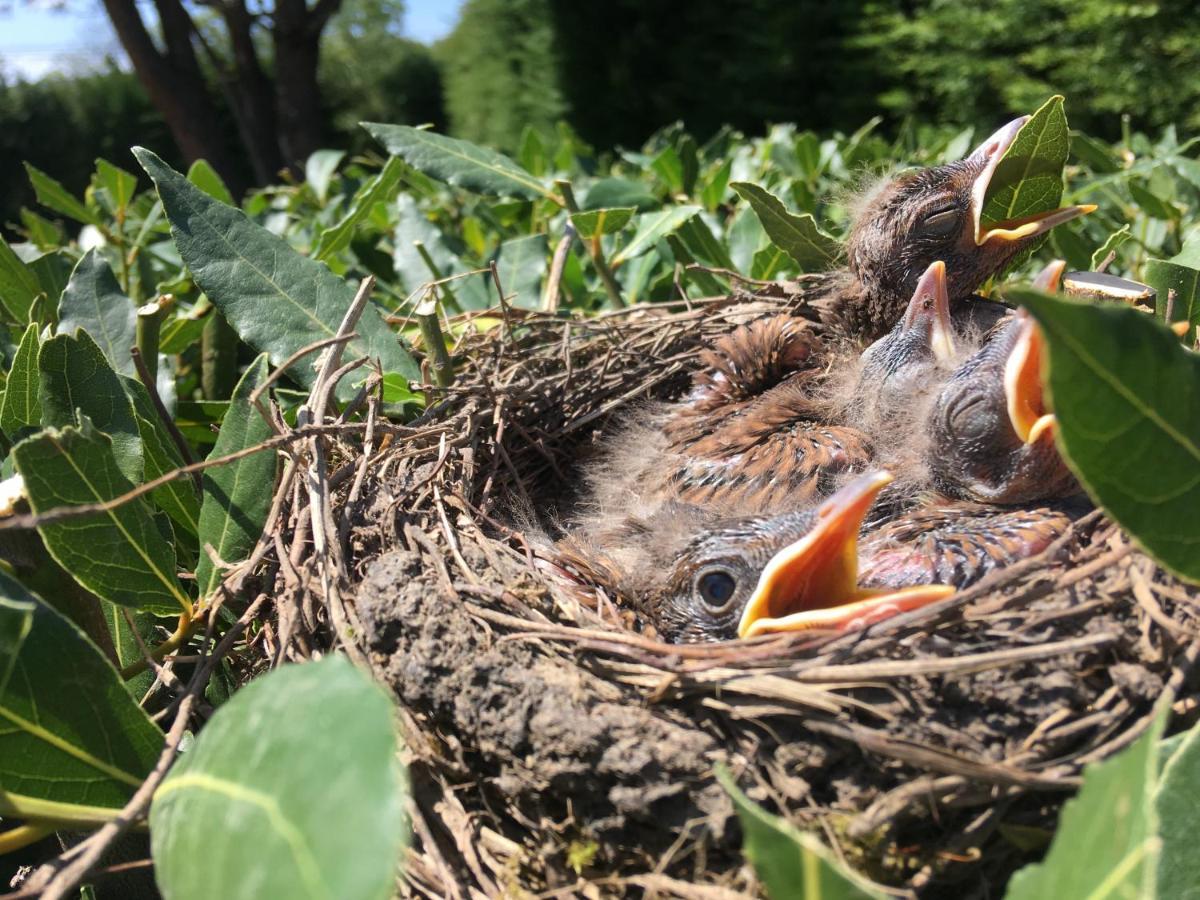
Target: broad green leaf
(1127, 398)
(1095, 154)
(601, 221)
(72, 739)
(768, 262)
(1179, 819)
(669, 168)
(148, 627)
(379, 189)
(1181, 274)
(714, 188)
(237, 495)
(319, 169)
(53, 195)
(1029, 178)
(277, 300)
(19, 286)
(114, 187)
(469, 293)
(696, 236)
(20, 406)
(95, 303)
(1106, 847)
(790, 863)
(160, 455)
(651, 228)
(1151, 204)
(521, 265)
(1110, 245)
(75, 376)
(292, 789)
(615, 193)
(205, 177)
(798, 236)
(119, 555)
(16, 619)
(459, 163)
(43, 233)
(532, 154)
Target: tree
(265, 62)
(500, 71)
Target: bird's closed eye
(716, 588)
(968, 417)
(942, 222)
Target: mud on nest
(551, 748)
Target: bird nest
(555, 750)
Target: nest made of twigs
(553, 751)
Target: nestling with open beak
(933, 214)
(700, 577)
(991, 435)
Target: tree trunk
(250, 96)
(175, 85)
(297, 36)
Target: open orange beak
(1023, 391)
(932, 296)
(813, 583)
(993, 150)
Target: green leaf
(53, 195)
(116, 186)
(75, 376)
(1179, 819)
(1029, 178)
(1151, 204)
(147, 626)
(614, 193)
(459, 163)
(1166, 276)
(277, 300)
(20, 406)
(789, 862)
(236, 495)
(1098, 156)
(1111, 245)
(95, 303)
(379, 189)
(293, 786)
(19, 285)
(669, 168)
(521, 265)
(177, 498)
(1106, 845)
(1127, 398)
(42, 232)
(651, 228)
(319, 169)
(72, 739)
(414, 271)
(798, 236)
(703, 245)
(119, 555)
(601, 221)
(205, 177)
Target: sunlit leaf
(798, 236)
(1127, 398)
(293, 786)
(95, 303)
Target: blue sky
(36, 39)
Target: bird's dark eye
(941, 223)
(716, 587)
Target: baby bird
(696, 576)
(917, 218)
(991, 435)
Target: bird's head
(991, 433)
(905, 361)
(793, 572)
(936, 214)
